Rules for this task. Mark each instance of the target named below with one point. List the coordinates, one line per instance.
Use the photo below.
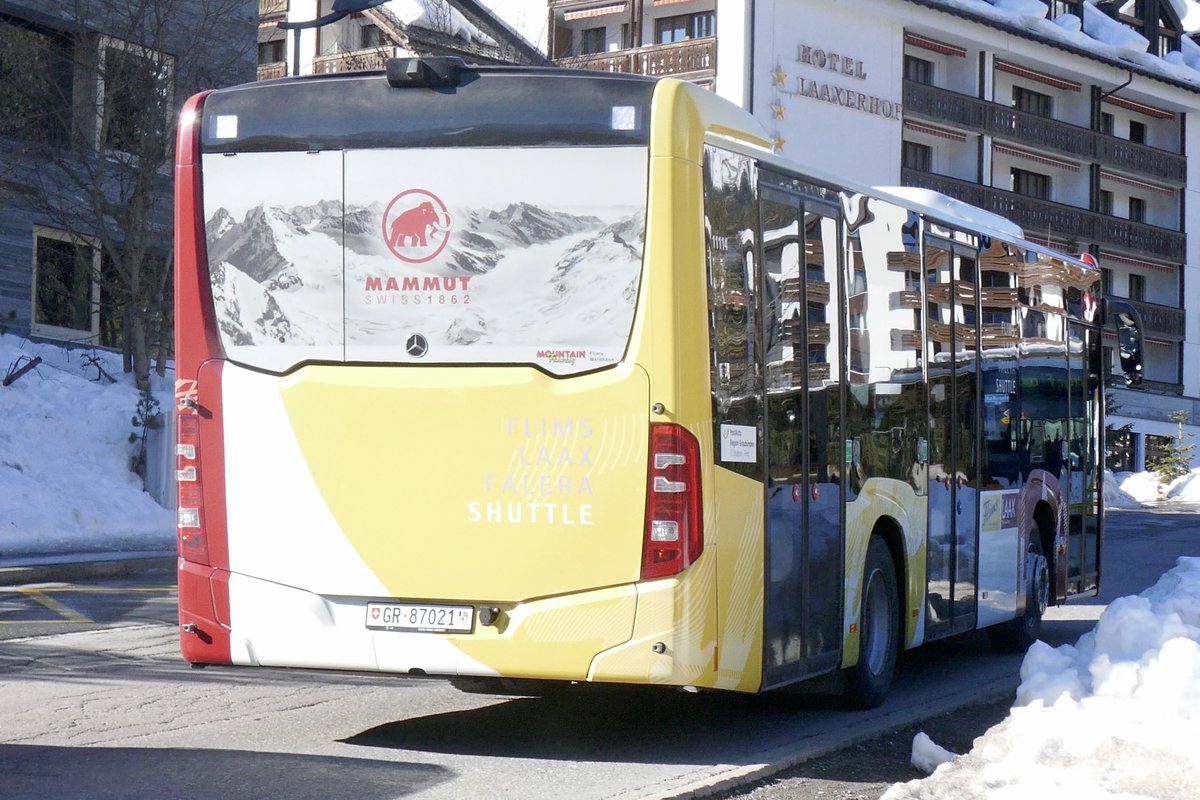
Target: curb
(729, 778)
(97, 565)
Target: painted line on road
(103, 589)
(68, 614)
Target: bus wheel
(868, 680)
(1016, 635)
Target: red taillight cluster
(674, 535)
(192, 544)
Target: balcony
(694, 60)
(1163, 322)
(275, 70)
(1043, 218)
(352, 61)
(270, 8)
(962, 111)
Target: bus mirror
(1129, 338)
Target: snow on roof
(1096, 33)
(440, 16)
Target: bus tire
(1016, 635)
(868, 681)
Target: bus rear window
(455, 255)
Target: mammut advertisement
(439, 255)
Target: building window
(1105, 202)
(36, 84)
(1031, 184)
(1120, 450)
(1137, 209)
(591, 40)
(1137, 287)
(1106, 280)
(1156, 449)
(1106, 123)
(686, 26)
(370, 38)
(271, 52)
(66, 269)
(136, 84)
(1137, 132)
(917, 156)
(918, 70)
(1032, 102)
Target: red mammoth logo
(416, 226)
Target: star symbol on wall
(777, 110)
(779, 76)
(777, 142)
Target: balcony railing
(1043, 218)
(275, 70)
(352, 61)
(695, 59)
(1162, 321)
(267, 8)
(962, 111)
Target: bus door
(802, 603)
(1083, 402)
(951, 297)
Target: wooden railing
(1164, 321)
(267, 8)
(697, 57)
(268, 71)
(1007, 123)
(352, 61)
(1043, 218)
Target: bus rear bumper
(555, 638)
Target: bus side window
(731, 223)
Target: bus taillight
(192, 544)
(674, 535)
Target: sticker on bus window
(739, 444)
(624, 118)
(227, 126)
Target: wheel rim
(1039, 583)
(877, 621)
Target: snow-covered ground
(1115, 716)
(65, 482)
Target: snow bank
(1115, 496)
(1141, 486)
(65, 482)
(1186, 488)
(1115, 716)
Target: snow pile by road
(1115, 494)
(1117, 716)
(65, 482)
(1145, 487)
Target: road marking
(103, 589)
(68, 614)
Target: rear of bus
(426, 425)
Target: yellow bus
(512, 374)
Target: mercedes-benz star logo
(416, 345)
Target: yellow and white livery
(502, 373)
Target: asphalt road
(98, 704)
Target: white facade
(827, 78)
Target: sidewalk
(25, 568)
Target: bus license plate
(419, 617)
